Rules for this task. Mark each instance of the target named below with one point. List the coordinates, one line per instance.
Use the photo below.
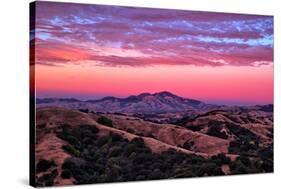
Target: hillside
(74, 147)
(170, 134)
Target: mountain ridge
(141, 95)
(163, 101)
(144, 103)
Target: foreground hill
(170, 134)
(249, 132)
(233, 124)
(74, 147)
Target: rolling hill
(78, 147)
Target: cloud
(116, 36)
(53, 53)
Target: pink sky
(121, 51)
(228, 84)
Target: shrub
(47, 179)
(129, 149)
(138, 142)
(88, 140)
(140, 177)
(156, 174)
(129, 130)
(245, 160)
(220, 159)
(266, 153)
(238, 167)
(115, 151)
(102, 140)
(187, 145)
(194, 127)
(267, 166)
(73, 140)
(105, 121)
(43, 165)
(84, 110)
(65, 127)
(215, 130)
(67, 164)
(116, 138)
(90, 128)
(66, 174)
(71, 150)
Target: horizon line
(212, 102)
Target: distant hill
(144, 103)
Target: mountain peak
(164, 93)
(144, 94)
(163, 101)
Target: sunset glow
(120, 51)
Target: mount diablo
(144, 103)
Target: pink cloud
(117, 36)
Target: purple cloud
(152, 36)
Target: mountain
(52, 100)
(161, 107)
(144, 103)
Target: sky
(91, 51)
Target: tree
(66, 174)
(215, 130)
(43, 165)
(105, 121)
